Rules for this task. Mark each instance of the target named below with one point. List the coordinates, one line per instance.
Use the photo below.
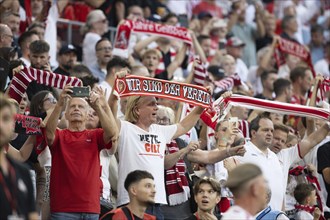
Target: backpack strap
(127, 213)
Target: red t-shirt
(75, 176)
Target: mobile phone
(80, 92)
(183, 20)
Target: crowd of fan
(139, 157)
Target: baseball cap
(235, 42)
(204, 14)
(67, 48)
(242, 174)
(216, 71)
(219, 23)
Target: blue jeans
(73, 216)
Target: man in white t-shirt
(287, 156)
(257, 152)
(249, 188)
(142, 143)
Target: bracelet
(227, 152)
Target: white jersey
(139, 149)
(271, 169)
(237, 213)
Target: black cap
(204, 14)
(67, 48)
(216, 71)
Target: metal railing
(70, 24)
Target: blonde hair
(152, 51)
(169, 112)
(130, 114)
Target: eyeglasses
(51, 100)
(104, 48)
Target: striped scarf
(25, 76)
(176, 182)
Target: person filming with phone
(75, 176)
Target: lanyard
(10, 196)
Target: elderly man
(6, 36)
(249, 188)
(75, 177)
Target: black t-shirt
(323, 161)
(61, 71)
(264, 41)
(18, 142)
(20, 188)
(193, 217)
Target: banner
(222, 106)
(293, 48)
(28, 125)
(26, 75)
(125, 29)
(144, 86)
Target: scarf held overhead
(289, 47)
(125, 29)
(145, 86)
(222, 106)
(25, 76)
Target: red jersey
(75, 177)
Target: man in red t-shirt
(75, 176)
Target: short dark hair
(298, 72)
(302, 191)
(136, 176)
(89, 80)
(264, 75)
(254, 125)
(280, 85)
(316, 28)
(168, 16)
(207, 180)
(117, 62)
(200, 38)
(101, 40)
(286, 20)
(39, 46)
(80, 68)
(24, 36)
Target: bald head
(6, 36)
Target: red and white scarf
(222, 106)
(125, 29)
(200, 73)
(286, 46)
(307, 208)
(227, 83)
(176, 182)
(25, 76)
(138, 85)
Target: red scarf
(289, 47)
(125, 29)
(228, 83)
(25, 76)
(176, 182)
(138, 85)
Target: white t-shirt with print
(142, 150)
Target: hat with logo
(67, 48)
(235, 42)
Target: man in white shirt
(249, 188)
(142, 143)
(323, 66)
(257, 152)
